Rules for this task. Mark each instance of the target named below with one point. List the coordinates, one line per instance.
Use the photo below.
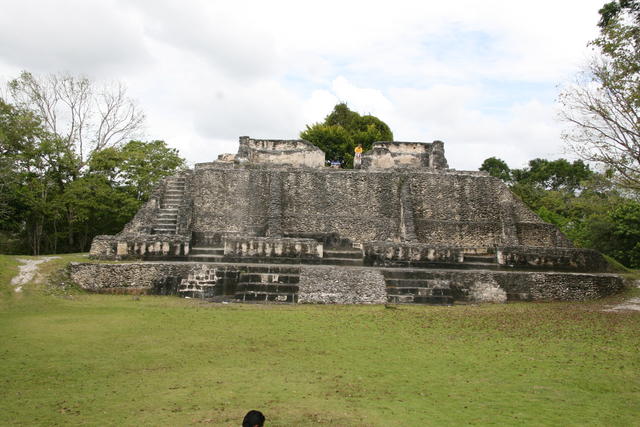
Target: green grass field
(70, 358)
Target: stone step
(396, 290)
(266, 297)
(281, 260)
(269, 278)
(425, 272)
(480, 265)
(428, 300)
(480, 258)
(349, 254)
(201, 250)
(164, 230)
(341, 261)
(192, 294)
(166, 220)
(275, 269)
(277, 288)
(205, 257)
(172, 225)
(411, 283)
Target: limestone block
(122, 249)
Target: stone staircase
(416, 287)
(342, 256)
(480, 262)
(268, 283)
(167, 218)
(206, 254)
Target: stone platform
(304, 283)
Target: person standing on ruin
(357, 160)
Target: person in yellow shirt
(357, 160)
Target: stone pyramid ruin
(273, 223)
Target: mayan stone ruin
(272, 223)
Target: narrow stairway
(416, 287)
(167, 219)
(342, 256)
(268, 283)
(480, 261)
(206, 254)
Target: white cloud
(206, 72)
(74, 35)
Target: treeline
(68, 168)
(587, 206)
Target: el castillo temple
(273, 224)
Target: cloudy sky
(480, 75)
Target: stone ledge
(574, 259)
(238, 246)
(365, 285)
(137, 246)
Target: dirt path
(632, 304)
(28, 271)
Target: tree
(587, 206)
(49, 204)
(602, 107)
(137, 165)
(497, 168)
(118, 181)
(342, 130)
(87, 117)
(555, 175)
(69, 168)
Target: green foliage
(626, 231)
(554, 174)
(602, 107)
(335, 141)
(138, 165)
(620, 38)
(50, 203)
(586, 206)
(343, 130)
(497, 168)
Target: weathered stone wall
(386, 155)
(296, 152)
(329, 285)
(140, 276)
(448, 208)
(238, 246)
(500, 286)
(359, 285)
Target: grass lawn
(70, 358)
